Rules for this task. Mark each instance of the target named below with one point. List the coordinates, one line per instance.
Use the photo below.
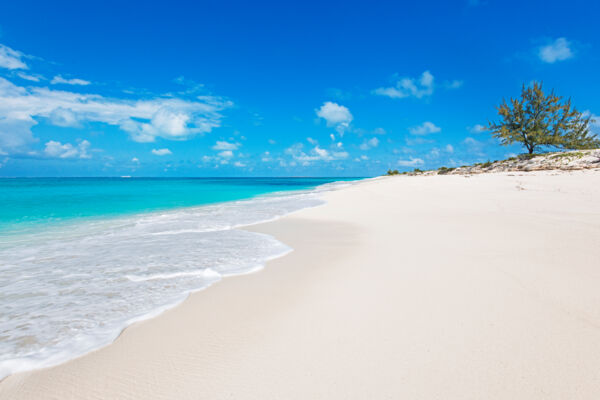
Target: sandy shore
(444, 287)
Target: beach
(424, 287)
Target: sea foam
(71, 289)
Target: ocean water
(80, 259)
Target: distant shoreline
(565, 161)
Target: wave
(72, 289)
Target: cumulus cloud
(223, 145)
(56, 149)
(170, 117)
(60, 80)
(477, 128)
(11, 59)
(239, 164)
(144, 120)
(407, 87)
(315, 154)
(558, 50)
(425, 128)
(161, 152)
(412, 162)
(449, 148)
(335, 115)
(135, 160)
(226, 154)
(369, 144)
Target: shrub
(445, 170)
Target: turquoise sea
(26, 202)
(82, 258)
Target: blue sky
(226, 88)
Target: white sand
(441, 287)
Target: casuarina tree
(537, 120)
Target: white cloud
(161, 152)
(449, 148)
(223, 145)
(315, 154)
(135, 160)
(477, 128)
(226, 154)
(434, 153)
(322, 153)
(335, 115)
(412, 162)
(60, 80)
(144, 120)
(63, 117)
(11, 59)
(558, 50)
(455, 84)
(379, 131)
(168, 117)
(407, 87)
(425, 128)
(239, 164)
(29, 77)
(339, 155)
(369, 144)
(474, 146)
(266, 157)
(271, 141)
(311, 141)
(58, 150)
(470, 141)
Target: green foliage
(524, 157)
(445, 170)
(538, 120)
(393, 172)
(573, 154)
(486, 164)
(417, 171)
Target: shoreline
(59, 359)
(364, 308)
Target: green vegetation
(574, 154)
(445, 170)
(537, 120)
(523, 157)
(503, 164)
